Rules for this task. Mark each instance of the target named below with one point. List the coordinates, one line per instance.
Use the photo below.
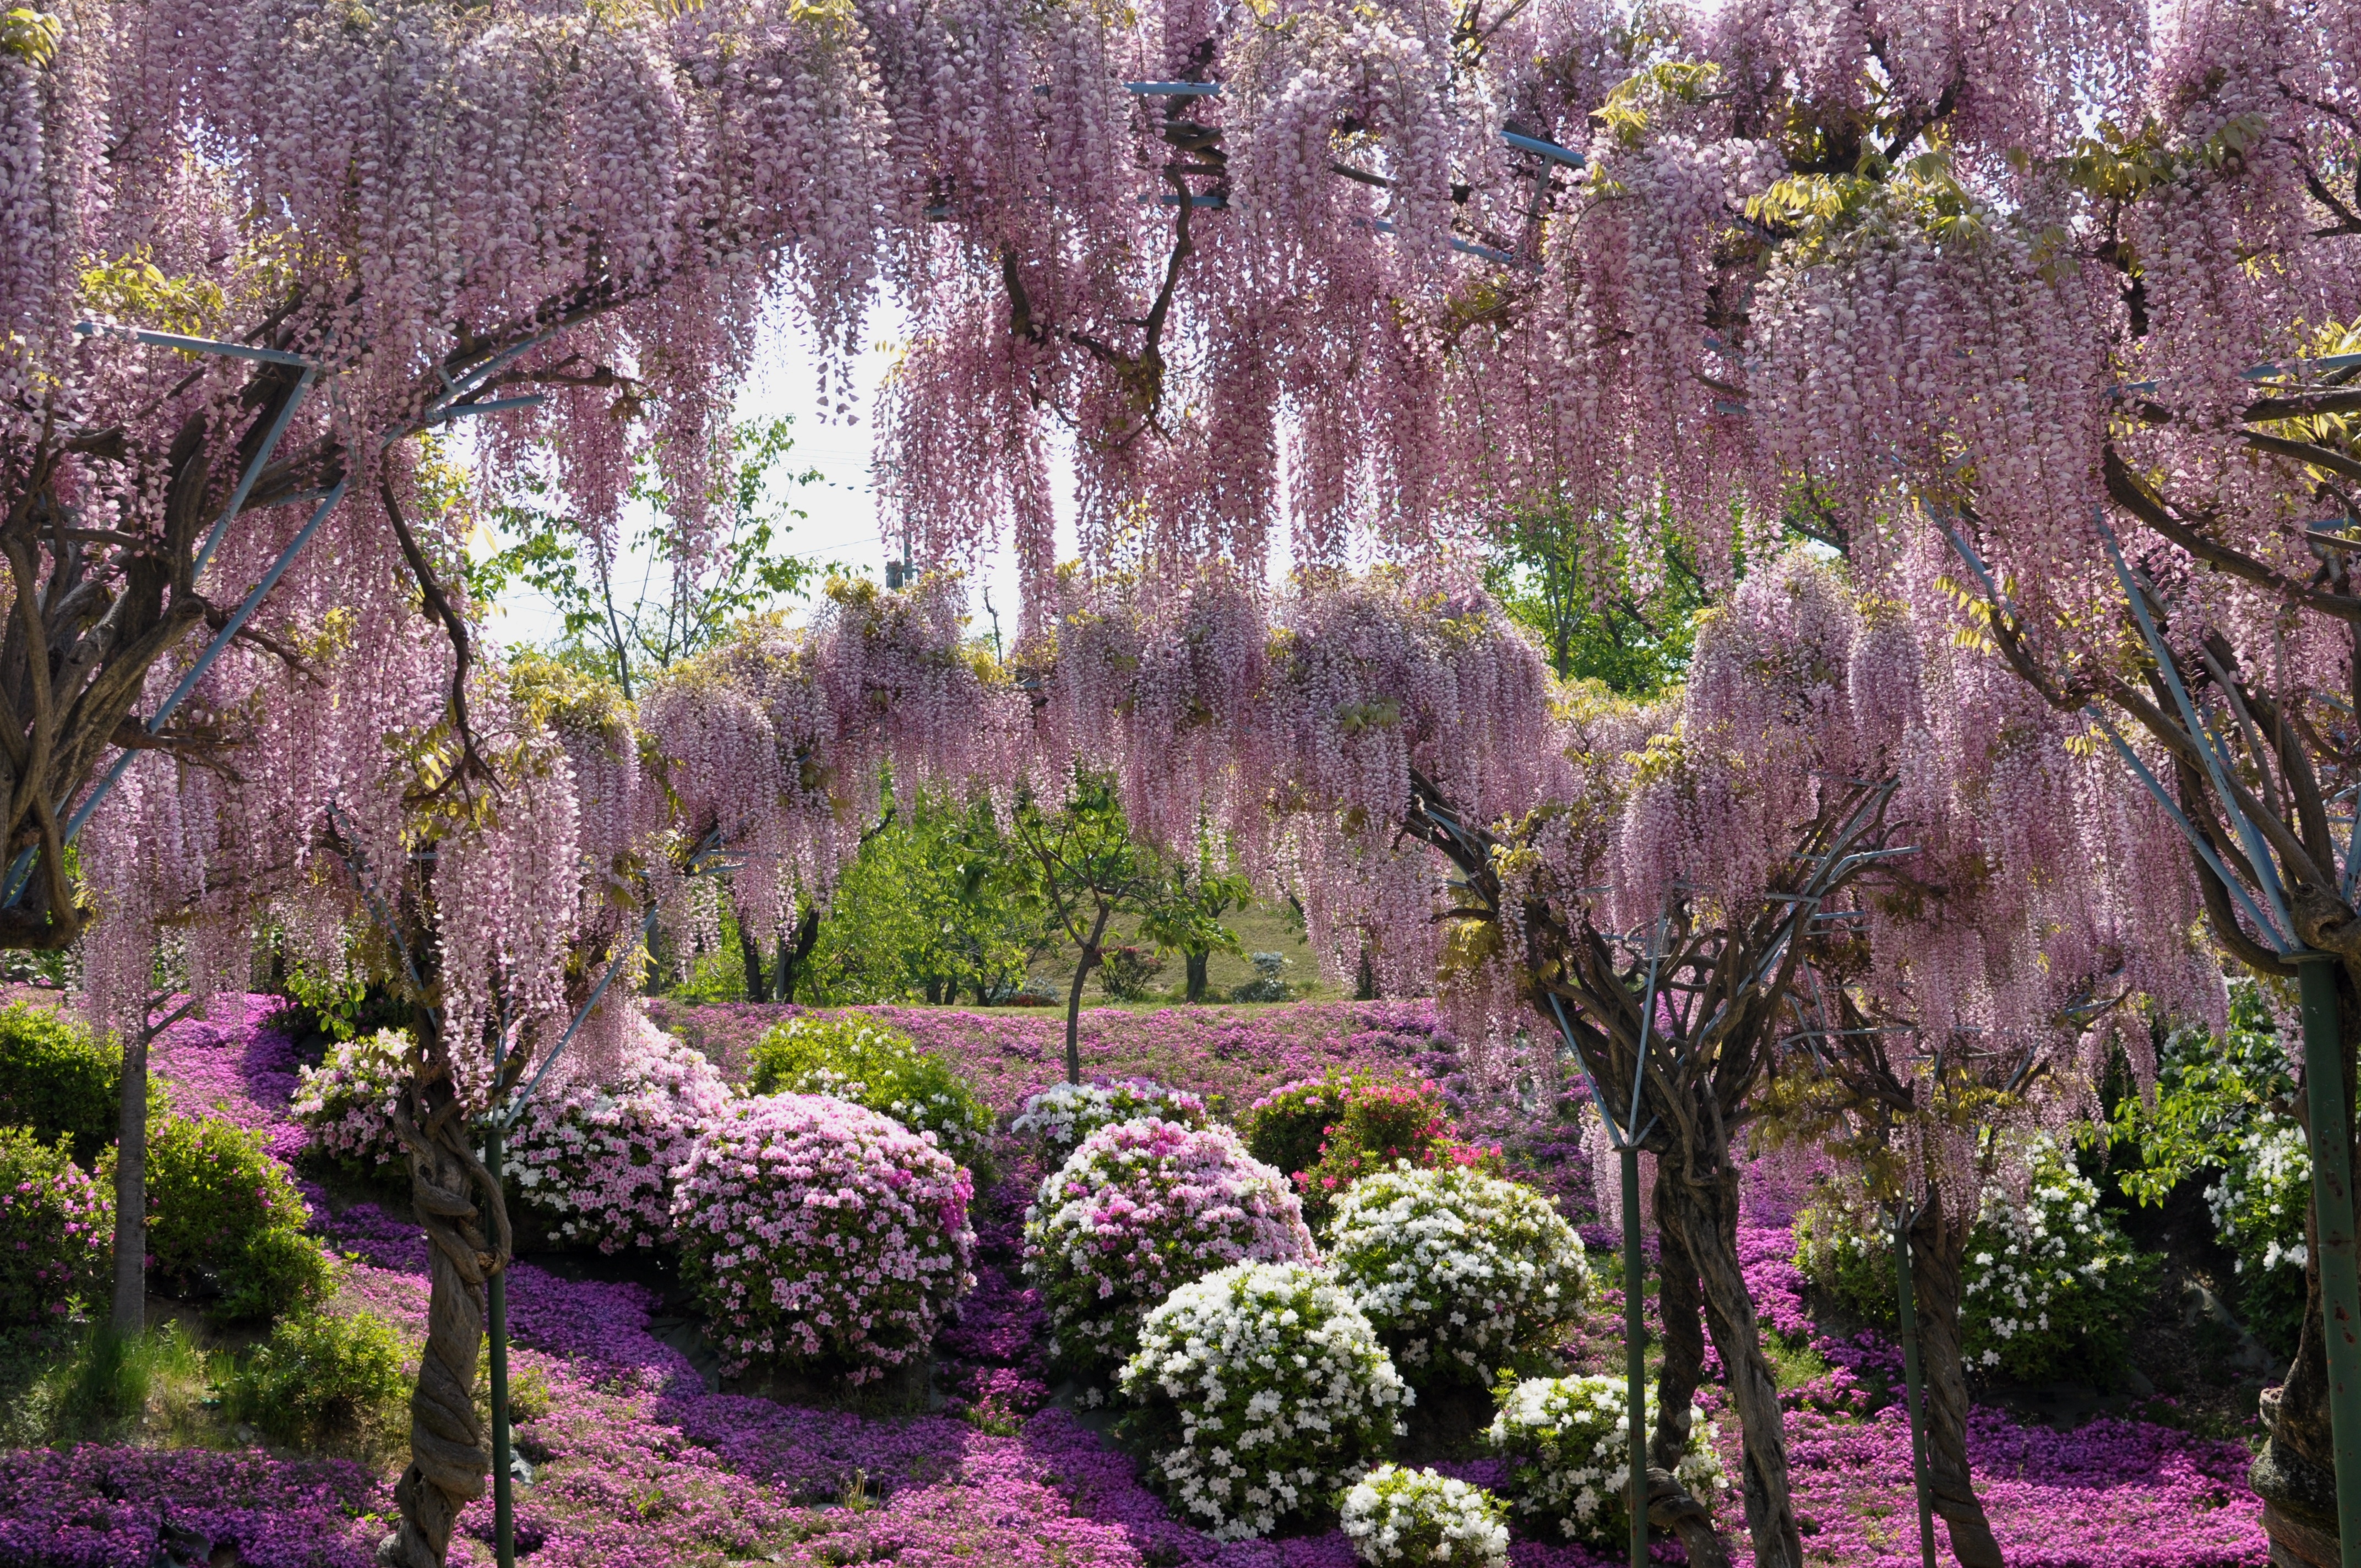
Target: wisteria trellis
(1913, 276)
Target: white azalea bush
(816, 1231)
(1260, 1393)
(346, 1103)
(2050, 1287)
(595, 1161)
(2258, 1208)
(1415, 1516)
(855, 1058)
(1568, 1441)
(1463, 1274)
(1060, 1116)
(1140, 1209)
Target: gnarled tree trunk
(1701, 1209)
(129, 1316)
(1670, 1505)
(1937, 1244)
(450, 1452)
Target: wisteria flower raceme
(1463, 1274)
(1262, 1393)
(598, 1159)
(1060, 1116)
(1568, 1441)
(1142, 1207)
(1416, 1518)
(813, 1230)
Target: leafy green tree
(1581, 594)
(682, 601)
(1087, 868)
(1185, 914)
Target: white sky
(843, 527)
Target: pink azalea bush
(55, 1226)
(597, 1160)
(1140, 1209)
(816, 1229)
(346, 1103)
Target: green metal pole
(1906, 1298)
(1636, 1354)
(497, 1294)
(2332, 1202)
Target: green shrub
(58, 1079)
(1285, 1128)
(219, 1207)
(56, 1231)
(2048, 1290)
(872, 1064)
(317, 1375)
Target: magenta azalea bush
(815, 1230)
(346, 1103)
(1059, 1117)
(55, 1227)
(1140, 1209)
(596, 1161)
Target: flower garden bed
(640, 1464)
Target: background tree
(1086, 870)
(1185, 915)
(1594, 617)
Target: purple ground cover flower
(641, 1467)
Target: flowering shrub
(1140, 1207)
(1285, 1128)
(812, 1229)
(1381, 1125)
(346, 1103)
(598, 1163)
(1060, 1116)
(55, 1229)
(1262, 1392)
(2258, 1208)
(1416, 1516)
(56, 1079)
(2048, 1289)
(1463, 1274)
(221, 1211)
(1568, 1441)
(878, 1066)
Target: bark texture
(1702, 1207)
(129, 1316)
(1670, 1505)
(467, 1226)
(1938, 1242)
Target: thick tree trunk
(1705, 1214)
(1937, 1244)
(129, 1316)
(791, 960)
(449, 1450)
(750, 952)
(1670, 1506)
(1083, 967)
(1197, 959)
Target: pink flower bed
(646, 1469)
